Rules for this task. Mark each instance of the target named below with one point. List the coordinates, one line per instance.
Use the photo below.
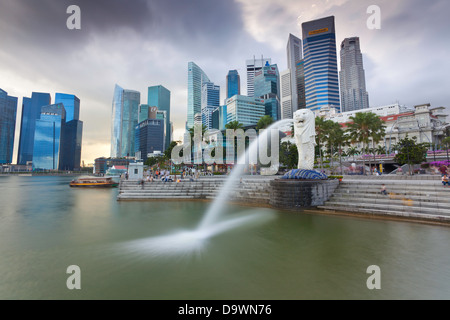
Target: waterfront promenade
(419, 197)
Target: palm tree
(363, 127)
(320, 133)
(340, 139)
(197, 126)
(380, 150)
(352, 152)
(446, 141)
(234, 125)
(264, 122)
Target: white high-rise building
(352, 77)
(254, 65)
(294, 55)
(286, 95)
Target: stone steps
(420, 199)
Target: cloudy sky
(140, 43)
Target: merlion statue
(305, 138)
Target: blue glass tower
(320, 68)
(125, 113)
(71, 104)
(210, 101)
(267, 87)
(196, 77)
(8, 111)
(233, 83)
(48, 153)
(149, 135)
(159, 96)
(31, 111)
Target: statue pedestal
(301, 189)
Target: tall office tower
(71, 105)
(254, 65)
(196, 77)
(125, 113)
(246, 110)
(8, 111)
(159, 96)
(210, 101)
(49, 138)
(216, 119)
(31, 111)
(321, 74)
(198, 119)
(233, 83)
(353, 81)
(73, 131)
(294, 55)
(300, 76)
(286, 95)
(267, 87)
(223, 117)
(149, 135)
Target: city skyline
(160, 50)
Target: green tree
(446, 142)
(234, 125)
(339, 139)
(352, 152)
(289, 155)
(365, 126)
(410, 152)
(168, 152)
(320, 136)
(264, 122)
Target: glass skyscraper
(159, 96)
(149, 137)
(73, 131)
(246, 110)
(352, 77)
(233, 83)
(294, 55)
(210, 101)
(267, 87)
(31, 111)
(253, 65)
(8, 112)
(196, 77)
(71, 105)
(125, 113)
(48, 153)
(321, 73)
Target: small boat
(94, 182)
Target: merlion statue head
(305, 125)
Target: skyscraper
(254, 65)
(286, 95)
(125, 113)
(49, 138)
(267, 87)
(8, 111)
(73, 131)
(246, 110)
(233, 83)
(294, 55)
(31, 111)
(71, 105)
(196, 77)
(321, 74)
(149, 136)
(159, 96)
(352, 77)
(210, 101)
(300, 76)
